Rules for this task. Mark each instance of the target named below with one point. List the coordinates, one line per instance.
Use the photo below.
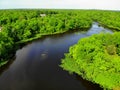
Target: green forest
(95, 58)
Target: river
(36, 66)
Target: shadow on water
(36, 66)
(6, 66)
(88, 84)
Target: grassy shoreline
(38, 36)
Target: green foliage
(6, 45)
(25, 25)
(96, 58)
(109, 19)
(20, 26)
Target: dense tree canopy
(97, 59)
(25, 25)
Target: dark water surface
(36, 66)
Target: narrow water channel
(36, 66)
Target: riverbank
(38, 36)
(3, 63)
(117, 29)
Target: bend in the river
(37, 64)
